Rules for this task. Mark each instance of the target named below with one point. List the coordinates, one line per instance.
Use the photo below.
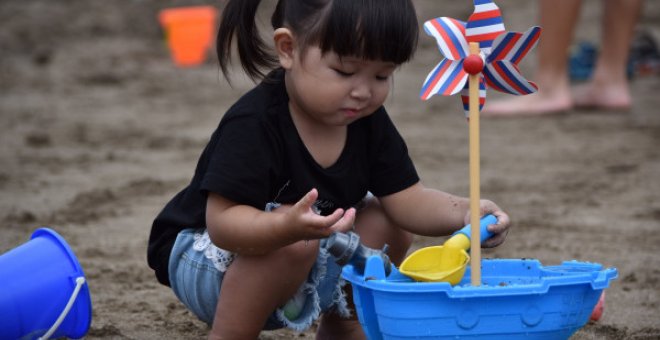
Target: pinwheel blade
(514, 46)
(447, 78)
(465, 96)
(450, 35)
(484, 25)
(504, 76)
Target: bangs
(384, 30)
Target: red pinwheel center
(473, 64)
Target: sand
(98, 130)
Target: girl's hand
(305, 224)
(500, 229)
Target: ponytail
(238, 21)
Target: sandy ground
(98, 130)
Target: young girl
(308, 152)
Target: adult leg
(608, 87)
(558, 19)
(254, 286)
(375, 230)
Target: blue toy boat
(518, 299)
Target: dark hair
(384, 30)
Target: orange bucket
(189, 32)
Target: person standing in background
(608, 89)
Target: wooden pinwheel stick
(473, 66)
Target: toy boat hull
(519, 298)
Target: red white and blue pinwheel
(497, 63)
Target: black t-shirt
(256, 156)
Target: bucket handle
(80, 281)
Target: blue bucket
(518, 299)
(43, 292)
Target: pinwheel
(478, 54)
(496, 64)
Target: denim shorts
(196, 276)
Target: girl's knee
(372, 220)
(405, 238)
(376, 229)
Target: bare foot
(602, 96)
(536, 104)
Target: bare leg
(254, 286)
(609, 85)
(375, 230)
(558, 20)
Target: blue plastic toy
(518, 299)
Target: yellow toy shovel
(445, 263)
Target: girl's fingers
(308, 200)
(332, 219)
(500, 229)
(502, 224)
(339, 220)
(346, 222)
(494, 241)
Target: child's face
(337, 91)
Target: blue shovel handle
(483, 227)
